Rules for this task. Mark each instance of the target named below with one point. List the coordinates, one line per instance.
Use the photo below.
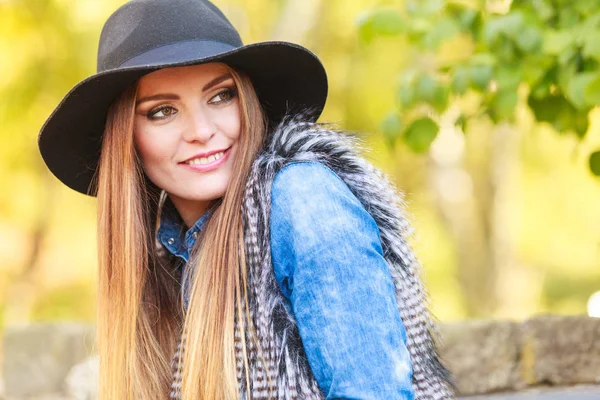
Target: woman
(237, 258)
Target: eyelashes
(153, 114)
(229, 94)
(164, 111)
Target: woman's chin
(200, 196)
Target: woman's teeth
(206, 160)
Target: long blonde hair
(140, 313)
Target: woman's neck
(191, 210)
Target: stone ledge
(493, 356)
(38, 357)
(545, 393)
(45, 361)
(483, 356)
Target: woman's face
(186, 129)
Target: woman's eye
(161, 112)
(223, 96)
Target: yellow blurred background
(506, 216)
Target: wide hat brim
(287, 78)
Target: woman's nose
(200, 126)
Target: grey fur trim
(285, 365)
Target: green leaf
(512, 23)
(592, 46)
(508, 77)
(541, 90)
(406, 95)
(440, 98)
(460, 80)
(588, 64)
(387, 22)
(544, 10)
(461, 121)
(556, 42)
(581, 123)
(588, 27)
(560, 113)
(529, 40)
(595, 163)
(506, 51)
(547, 109)
(441, 31)
(509, 25)
(569, 56)
(568, 17)
(565, 74)
(426, 7)
(480, 76)
(592, 92)
(420, 134)
(576, 89)
(483, 59)
(383, 22)
(419, 26)
(365, 29)
(536, 69)
(408, 76)
(586, 7)
(504, 104)
(391, 127)
(426, 88)
(468, 18)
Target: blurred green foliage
(70, 301)
(552, 47)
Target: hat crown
(143, 25)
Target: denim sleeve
(329, 264)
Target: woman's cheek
(153, 145)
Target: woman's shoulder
(314, 211)
(309, 195)
(300, 181)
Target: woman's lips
(210, 166)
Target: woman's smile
(207, 163)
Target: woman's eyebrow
(170, 96)
(216, 81)
(161, 96)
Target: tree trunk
(516, 287)
(464, 212)
(473, 200)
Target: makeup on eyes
(231, 90)
(172, 96)
(151, 114)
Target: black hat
(145, 35)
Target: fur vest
(280, 345)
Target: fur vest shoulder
(278, 368)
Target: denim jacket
(322, 240)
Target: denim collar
(172, 233)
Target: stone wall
(55, 361)
(491, 356)
(41, 360)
